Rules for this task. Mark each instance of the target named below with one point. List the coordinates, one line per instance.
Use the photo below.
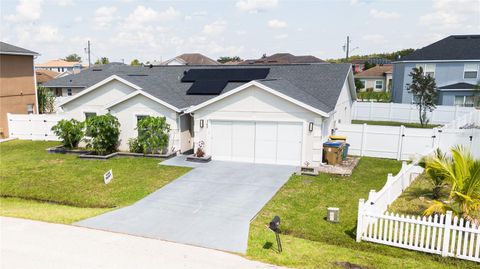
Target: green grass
(394, 123)
(417, 197)
(309, 241)
(29, 172)
(29, 209)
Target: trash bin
(345, 151)
(332, 152)
(338, 138)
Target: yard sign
(108, 176)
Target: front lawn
(395, 123)
(309, 241)
(29, 172)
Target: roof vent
(150, 66)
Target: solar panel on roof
(207, 87)
(213, 81)
(228, 74)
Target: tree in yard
(226, 59)
(46, 100)
(367, 65)
(70, 131)
(103, 132)
(424, 90)
(73, 58)
(462, 173)
(135, 62)
(476, 95)
(359, 85)
(103, 60)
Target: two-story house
(454, 62)
(17, 83)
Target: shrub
(70, 131)
(153, 134)
(103, 132)
(134, 146)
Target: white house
(278, 114)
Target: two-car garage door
(260, 142)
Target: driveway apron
(210, 206)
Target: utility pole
(88, 52)
(347, 48)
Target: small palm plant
(462, 172)
(436, 179)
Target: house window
(69, 92)
(58, 92)
(379, 84)
(30, 108)
(139, 118)
(428, 69)
(89, 115)
(464, 101)
(470, 71)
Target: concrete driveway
(211, 206)
(33, 244)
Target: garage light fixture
(310, 126)
(201, 123)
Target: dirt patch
(55, 161)
(348, 265)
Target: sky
(150, 30)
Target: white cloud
(143, 15)
(215, 28)
(379, 14)
(104, 16)
(64, 3)
(38, 34)
(281, 36)
(375, 38)
(448, 15)
(27, 10)
(255, 6)
(277, 24)
(78, 19)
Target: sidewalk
(33, 244)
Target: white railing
(405, 112)
(439, 234)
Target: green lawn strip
(417, 197)
(29, 209)
(302, 205)
(394, 123)
(28, 171)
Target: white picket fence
(439, 234)
(33, 126)
(405, 112)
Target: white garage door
(260, 142)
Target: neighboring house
(359, 65)
(284, 58)
(265, 114)
(17, 83)
(377, 78)
(61, 66)
(454, 62)
(44, 75)
(189, 59)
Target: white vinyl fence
(438, 235)
(33, 126)
(405, 112)
(401, 143)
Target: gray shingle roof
(459, 86)
(6, 48)
(454, 47)
(316, 85)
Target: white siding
(97, 99)
(127, 112)
(255, 104)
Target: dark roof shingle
(317, 85)
(6, 48)
(454, 47)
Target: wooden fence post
(446, 234)
(361, 204)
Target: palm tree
(436, 179)
(462, 172)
